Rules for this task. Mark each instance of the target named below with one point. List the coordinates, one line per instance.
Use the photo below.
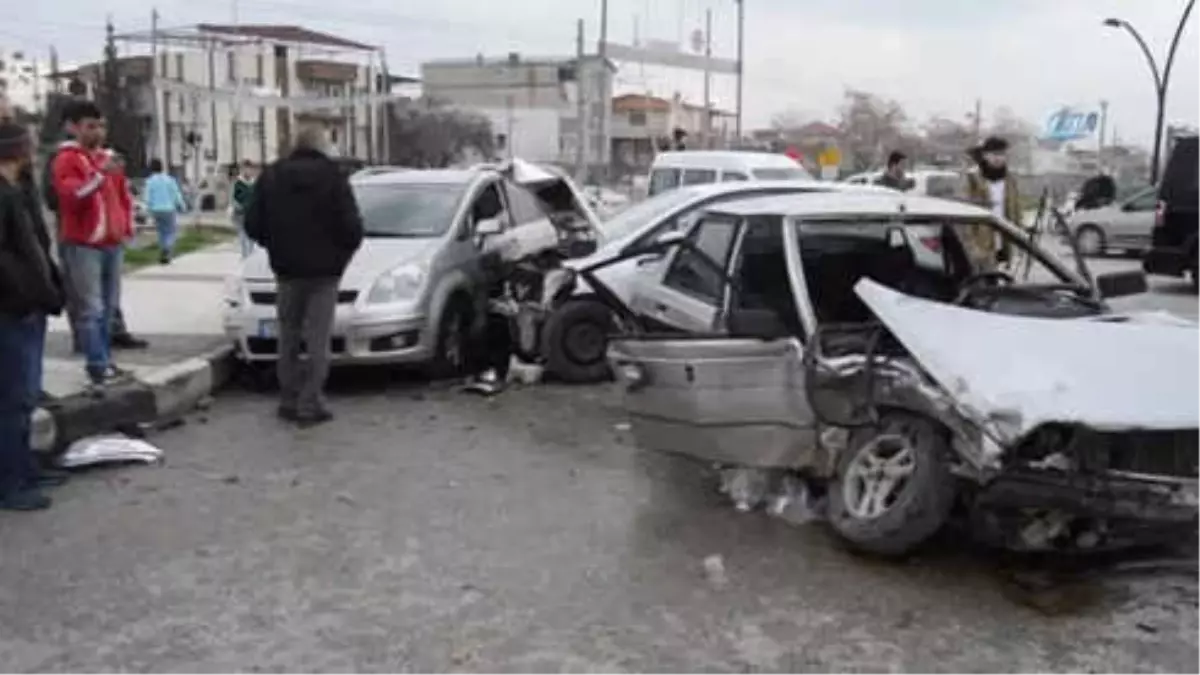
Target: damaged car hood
(1012, 374)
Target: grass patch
(144, 252)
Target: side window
(1147, 201)
(488, 204)
(523, 206)
(691, 274)
(699, 176)
(941, 186)
(733, 176)
(662, 180)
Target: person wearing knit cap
(30, 290)
(992, 186)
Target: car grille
(272, 297)
(270, 346)
(1158, 453)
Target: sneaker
(29, 499)
(128, 341)
(116, 374)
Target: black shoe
(128, 341)
(29, 499)
(315, 418)
(116, 374)
(164, 258)
(287, 413)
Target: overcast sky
(934, 56)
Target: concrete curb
(163, 395)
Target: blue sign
(1068, 125)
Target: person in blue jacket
(164, 201)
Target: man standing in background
(243, 191)
(165, 202)
(894, 177)
(95, 211)
(991, 186)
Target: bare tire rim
(1089, 242)
(878, 474)
(584, 342)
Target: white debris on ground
(714, 570)
(110, 449)
(783, 494)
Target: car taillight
(1160, 212)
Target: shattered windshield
(407, 209)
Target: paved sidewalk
(177, 308)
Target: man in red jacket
(95, 212)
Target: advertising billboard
(1069, 124)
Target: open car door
(721, 399)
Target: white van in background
(697, 167)
(929, 182)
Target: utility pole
(741, 56)
(605, 98)
(385, 105)
(54, 82)
(1103, 125)
(706, 123)
(581, 151)
(160, 120)
(235, 68)
(978, 131)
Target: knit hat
(994, 144)
(14, 142)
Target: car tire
(575, 342)
(922, 493)
(1090, 241)
(453, 340)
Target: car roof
(707, 190)
(723, 159)
(419, 177)
(849, 202)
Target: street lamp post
(1161, 78)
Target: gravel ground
(430, 530)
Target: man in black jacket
(304, 214)
(30, 289)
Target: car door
(724, 400)
(681, 291)
(1133, 221)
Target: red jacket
(94, 207)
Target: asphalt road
(427, 529)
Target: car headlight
(402, 283)
(234, 291)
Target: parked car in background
(827, 352)
(1124, 225)
(416, 288)
(928, 182)
(1177, 224)
(676, 169)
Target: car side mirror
(488, 227)
(1121, 284)
(670, 238)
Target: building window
(179, 67)
(231, 66)
(501, 141)
(637, 118)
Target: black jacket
(902, 184)
(303, 212)
(30, 282)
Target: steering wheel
(972, 283)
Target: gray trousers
(305, 310)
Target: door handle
(660, 308)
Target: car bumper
(1145, 499)
(358, 336)
(1167, 261)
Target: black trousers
(491, 348)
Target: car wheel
(575, 341)
(893, 488)
(1090, 240)
(453, 340)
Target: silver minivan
(414, 289)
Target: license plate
(267, 328)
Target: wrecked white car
(855, 348)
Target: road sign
(829, 157)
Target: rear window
(662, 180)
(1180, 181)
(941, 186)
(699, 176)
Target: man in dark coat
(305, 215)
(30, 289)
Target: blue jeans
(95, 277)
(165, 223)
(21, 347)
(246, 243)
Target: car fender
(447, 285)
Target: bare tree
(947, 141)
(433, 136)
(1020, 134)
(870, 126)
